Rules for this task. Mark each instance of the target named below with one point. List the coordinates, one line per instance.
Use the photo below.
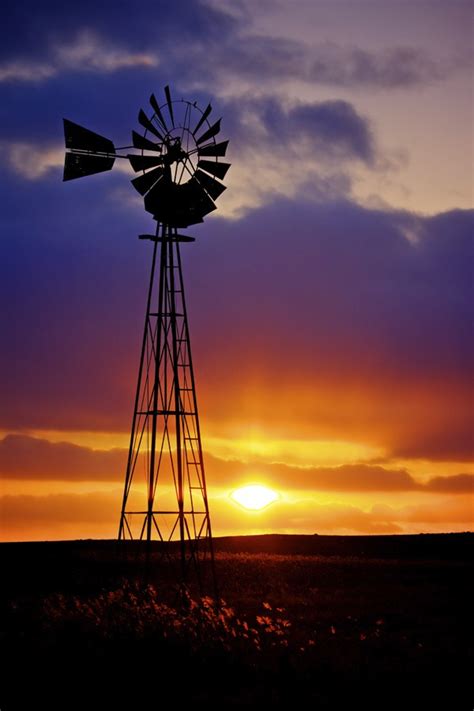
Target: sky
(330, 296)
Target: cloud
(32, 458)
(427, 517)
(326, 128)
(392, 68)
(459, 483)
(89, 515)
(23, 457)
(87, 52)
(25, 511)
(288, 149)
(33, 161)
(361, 478)
(244, 59)
(24, 70)
(348, 477)
(438, 445)
(96, 515)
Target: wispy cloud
(88, 52)
(24, 70)
(390, 68)
(258, 58)
(33, 161)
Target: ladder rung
(166, 313)
(165, 412)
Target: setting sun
(254, 497)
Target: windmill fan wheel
(180, 171)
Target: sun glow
(254, 497)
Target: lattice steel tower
(165, 496)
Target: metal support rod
(198, 427)
(128, 473)
(178, 408)
(159, 333)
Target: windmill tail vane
(177, 159)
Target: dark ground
(322, 622)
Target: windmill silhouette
(179, 175)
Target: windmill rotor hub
(175, 152)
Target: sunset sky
(330, 295)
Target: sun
(254, 497)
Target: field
(319, 621)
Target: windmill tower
(179, 174)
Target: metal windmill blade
(213, 149)
(203, 118)
(210, 133)
(169, 104)
(158, 114)
(149, 125)
(219, 170)
(213, 187)
(143, 143)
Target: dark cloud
(24, 511)
(336, 123)
(437, 445)
(346, 478)
(31, 458)
(459, 483)
(332, 128)
(349, 477)
(23, 457)
(388, 69)
(256, 58)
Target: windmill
(179, 174)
